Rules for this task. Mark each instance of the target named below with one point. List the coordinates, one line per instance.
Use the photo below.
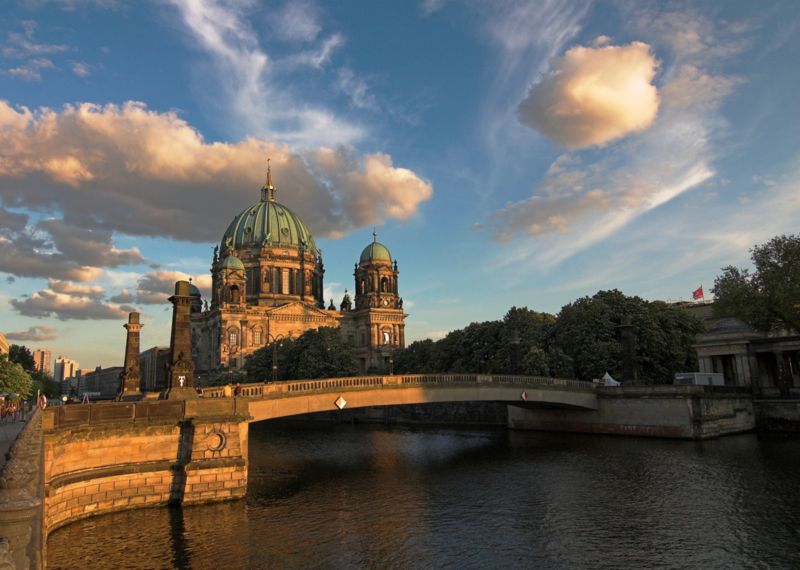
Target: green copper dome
(376, 251)
(267, 223)
(232, 262)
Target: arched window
(387, 336)
(234, 296)
(233, 338)
(384, 285)
(363, 287)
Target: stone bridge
(267, 401)
(109, 456)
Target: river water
(342, 496)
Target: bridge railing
(277, 389)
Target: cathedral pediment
(297, 309)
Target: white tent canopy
(606, 380)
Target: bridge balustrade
(260, 390)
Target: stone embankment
(21, 494)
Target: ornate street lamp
(274, 341)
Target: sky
(508, 153)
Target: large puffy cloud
(48, 303)
(135, 171)
(35, 333)
(594, 95)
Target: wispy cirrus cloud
(261, 104)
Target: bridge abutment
(683, 412)
(109, 457)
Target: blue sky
(510, 153)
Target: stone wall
(21, 529)
(107, 457)
(686, 412)
(778, 416)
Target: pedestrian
(227, 391)
(238, 390)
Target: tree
(45, 384)
(22, 355)
(14, 380)
(769, 297)
(320, 353)
(586, 333)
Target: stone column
(180, 381)
(131, 377)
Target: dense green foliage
(320, 353)
(586, 333)
(14, 380)
(581, 342)
(21, 355)
(769, 297)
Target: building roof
(730, 325)
(376, 251)
(267, 224)
(3, 344)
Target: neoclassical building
(267, 283)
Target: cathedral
(267, 285)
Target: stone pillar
(180, 381)
(402, 336)
(130, 377)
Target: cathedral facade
(267, 285)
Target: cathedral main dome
(267, 224)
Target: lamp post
(391, 365)
(274, 342)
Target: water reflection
(338, 496)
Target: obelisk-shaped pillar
(130, 388)
(180, 381)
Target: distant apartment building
(64, 368)
(153, 368)
(3, 344)
(41, 361)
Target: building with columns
(267, 284)
(746, 357)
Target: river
(366, 496)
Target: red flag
(697, 293)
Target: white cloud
(48, 303)
(355, 88)
(81, 69)
(75, 290)
(155, 287)
(131, 170)
(594, 95)
(35, 334)
(298, 21)
(260, 103)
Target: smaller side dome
(376, 251)
(232, 262)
